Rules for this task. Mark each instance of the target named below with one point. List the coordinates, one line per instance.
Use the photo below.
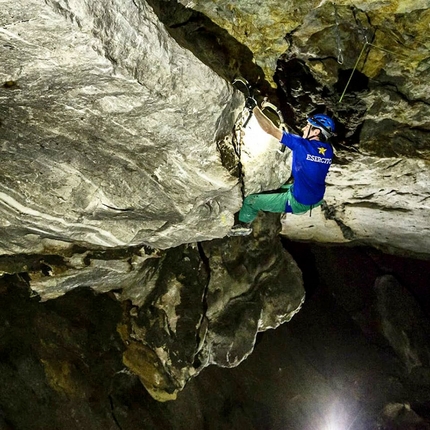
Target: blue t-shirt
(311, 161)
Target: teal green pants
(279, 202)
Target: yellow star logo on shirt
(322, 150)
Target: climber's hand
(250, 103)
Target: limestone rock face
(114, 144)
(362, 201)
(205, 305)
(261, 26)
(109, 131)
(368, 70)
(366, 64)
(264, 166)
(124, 159)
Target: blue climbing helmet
(324, 123)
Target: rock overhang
(106, 101)
(110, 132)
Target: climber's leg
(272, 202)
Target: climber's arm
(266, 124)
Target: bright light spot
(256, 141)
(339, 417)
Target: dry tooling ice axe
(247, 90)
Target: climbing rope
(353, 70)
(363, 33)
(366, 44)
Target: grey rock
(206, 307)
(403, 323)
(380, 202)
(109, 137)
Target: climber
(312, 157)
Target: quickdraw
(366, 44)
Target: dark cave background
(328, 368)
(322, 370)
